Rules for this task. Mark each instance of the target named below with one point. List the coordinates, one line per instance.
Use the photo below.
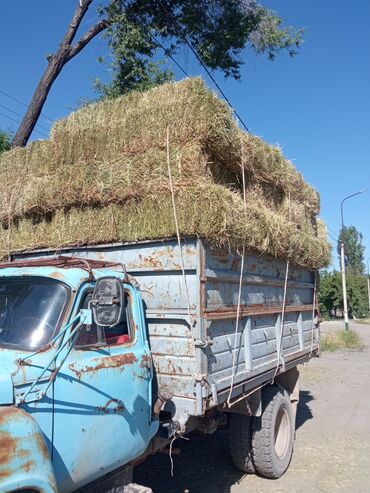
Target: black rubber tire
(240, 441)
(273, 434)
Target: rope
(177, 224)
(282, 321)
(170, 449)
(10, 223)
(233, 373)
(313, 313)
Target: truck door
(102, 399)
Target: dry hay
(223, 221)
(103, 176)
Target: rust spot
(257, 309)
(146, 361)
(119, 361)
(6, 412)
(8, 448)
(41, 445)
(56, 275)
(23, 453)
(117, 409)
(27, 466)
(150, 261)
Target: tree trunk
(56, 63)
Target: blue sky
(316, 106)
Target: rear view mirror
(108, 301)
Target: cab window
(117, 335)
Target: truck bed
(192, 324)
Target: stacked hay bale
(103, 177)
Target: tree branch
(87, 37)
(75, 22)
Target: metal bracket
(203, 344)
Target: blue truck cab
(75, 396)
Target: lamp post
(342, 263)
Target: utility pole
(343, 265)
(344, 285)
(368, 282)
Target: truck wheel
(273, 433)
(240, 440)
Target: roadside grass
(365, 321)
(340, 340)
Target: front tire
(273, 434)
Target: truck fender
(24, 456)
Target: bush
(340, 340)
(5, 141)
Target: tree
(135, 30)
(330, 294)
(353, 249)
(5, 141)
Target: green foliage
(331, 296)
(218, 31)
(353, 248)
(5, 140)
(340, 340)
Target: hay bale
(103, 177)
(108, 146)
(209, 211)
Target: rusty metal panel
(193, 357)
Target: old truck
(109, 352)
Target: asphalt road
(332, 449)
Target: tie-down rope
(233, 374)
(177, 223)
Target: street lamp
(342, 264)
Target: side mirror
(108, 301)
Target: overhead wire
(335, 234)
(17, 121)
(156, 40)
(21, 116)
(24, 104)
(194, 51)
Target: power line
(18, 114)
(332, 237)
(166, 51)
(335, 234)
(23, 104)
(17, 121)
(204, 66)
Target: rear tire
(273, 434)
(240, 441)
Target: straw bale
(126, 137)
(212, 212)
(102, 176)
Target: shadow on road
(304, 412)
(204, 466)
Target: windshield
(30, 310)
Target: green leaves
(331, 296)
(218, 30)
(5, 140)
(353, 249)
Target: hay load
(103, 177)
